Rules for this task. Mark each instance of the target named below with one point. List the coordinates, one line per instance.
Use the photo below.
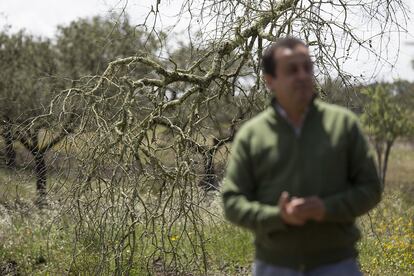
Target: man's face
(293, 83)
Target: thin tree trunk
(9, 152)
(386, 156)
(41, 174)
(209, 181)
(378, 148)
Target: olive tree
(28, 64)
(386, 121)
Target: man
(299, 174)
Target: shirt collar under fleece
(280, 111)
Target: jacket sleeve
(237, 192)
(366, 189)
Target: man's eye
(292, 69)
(308, 67)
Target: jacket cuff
(330, 208)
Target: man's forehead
(297, 51)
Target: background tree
(86, 46)
(386, 120)
(346, 94)
(28, 64)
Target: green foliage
(87, 45)
(340, 91)
(27, 63)
(385, 119)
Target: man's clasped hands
(298, 210)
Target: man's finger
(283, 199)
(306, 202)
(309, 206)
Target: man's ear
(268, 79)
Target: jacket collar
(273, 102)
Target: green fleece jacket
(330, 158)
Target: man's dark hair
(268, 59)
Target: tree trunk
(9, 152)
(209, 181)
(378, 149)
(386, 156)
(40, 170)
